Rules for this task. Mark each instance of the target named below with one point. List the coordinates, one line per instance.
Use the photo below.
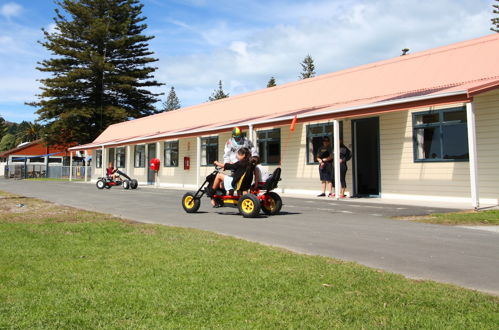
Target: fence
(42, 171)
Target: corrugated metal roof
(465, 67)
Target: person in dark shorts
(325, 159)
(345, 155)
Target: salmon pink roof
(464, 68)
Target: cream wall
(298, 176)
(138, 173)
(487, 123)
(402, 177)
(177, 176)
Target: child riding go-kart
(249, 204)
(116, 180)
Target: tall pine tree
(3, 127)
(218, 93)
(308, 68)
(495, 20)
(271, 82)
(100, 72)
(172, 102)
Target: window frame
(98, 158)
(142, 160)
(203, 143)
(440, 124)
(265, 141)
(167, 146)
(331, 137)
(116, 153)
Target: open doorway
(366, 159)
(151, 153)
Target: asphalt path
(345, 229)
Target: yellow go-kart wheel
(272, 203)
(190, 203)
(249, 206)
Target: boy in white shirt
(261, 173)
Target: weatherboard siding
(487, 123)
(177, 176)
(297, 175)
(401, 175)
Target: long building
(422, 126)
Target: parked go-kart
(122, 180)
(249, 205)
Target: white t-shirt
(263, 173)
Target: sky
(244, 43)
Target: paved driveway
(347, 230)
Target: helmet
(237, 132)
(237, 135)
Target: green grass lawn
(69, 269)
(473, 218)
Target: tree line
(13, 134)
(101, 72)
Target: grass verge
(65, 268)
(472, 218)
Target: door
(365, 160)
(151, 153)
(110, 157)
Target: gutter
(279, 119)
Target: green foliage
(218, 93)
(308, 68)
(8, 142)
(271, 82)
(3, 127)
(100, 70)
(495, 20)
(69, 269)
(172, 102)
(28, 131)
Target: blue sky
(244, 43)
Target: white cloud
(11, 9)
(260, 39)
(338, 35)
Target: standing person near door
(345, 155)
(325, 159)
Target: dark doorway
(151, 153)
(366, 168)
(110, 157)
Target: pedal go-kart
(249, 205)
(122, 180)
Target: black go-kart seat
(273, 180)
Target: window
(209, 150)
(440, 135)
(269, 146)
(120, 157)
(315, 134)
(98, 158)
(55, 160)
(171, 154)
(140, 156)
(37, 160)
